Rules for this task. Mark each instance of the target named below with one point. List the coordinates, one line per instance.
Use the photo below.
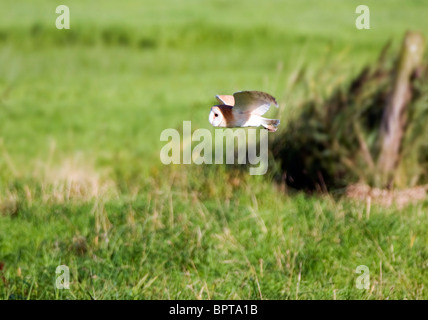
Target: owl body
(243, 109)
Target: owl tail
(270, 124)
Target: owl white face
(215, 117)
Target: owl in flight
(243, 109)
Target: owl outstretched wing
(255, 102)
(226, 99)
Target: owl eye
(215, 115)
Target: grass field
(81, 183)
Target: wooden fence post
(395, 113)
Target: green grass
(169, 242)
(81, 184)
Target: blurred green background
(81, 184)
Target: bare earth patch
(384, 197)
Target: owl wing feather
(226, 99)
(255, 102)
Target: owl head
(216, 116)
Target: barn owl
(243, 109)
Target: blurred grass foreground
(81, 184)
